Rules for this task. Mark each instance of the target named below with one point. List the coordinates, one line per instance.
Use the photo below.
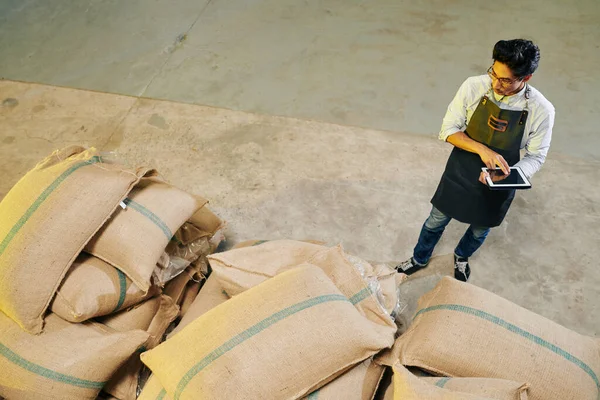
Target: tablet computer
(498, 180)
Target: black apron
(459, 194)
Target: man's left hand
(482, 177)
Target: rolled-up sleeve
(455, 119)
(537, 146)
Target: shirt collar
(512, 98)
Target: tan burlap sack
(243, 268)
(175, 288)
(93, 288)
(499, 389)
(282, 339)
(359, 383)
(189, 295)
(206, 221)
(210, 296)
(46, 219)
(406, 386)
(67, 361)
(153, 390)
(156, 313)
(134, 238)
(153, 316)
(465, 331)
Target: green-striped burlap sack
(211, 295)
(135, 237)
(46, 219)
(499, 389)
(93, 288)
(465, 331)
(406, 386)
(282, 339)
(359, 383)
(243, 268)
(153, 316)
(66, 362)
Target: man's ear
(528, 77)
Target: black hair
(520, 55)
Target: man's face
(504, 82)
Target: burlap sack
(241, 269)
(156, 313)
(462, 330)
(153, 316)
(282, 339)
(206, 221)
(406, 386)
(135, 237)
(175, 288)
(189, 295)
(210, 296)
(67, 361)
(93, 288)
(153, 390)
(359, 383)
(46, 219)
(499, 389)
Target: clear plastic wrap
(377, 275)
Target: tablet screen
(499, 178)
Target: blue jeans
(432, 232)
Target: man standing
(491, 118)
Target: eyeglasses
(503, 81)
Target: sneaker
(462, 271)
(409, 267)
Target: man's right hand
(491, 159)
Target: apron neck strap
(527, 93)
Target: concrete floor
(277, 177)
(378, 75)
(383, 64)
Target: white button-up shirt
(538, 127)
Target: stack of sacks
(243, 265)
(46, 220)
(153, 316)
(284, 338)
(123, 219)
(460, 330)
